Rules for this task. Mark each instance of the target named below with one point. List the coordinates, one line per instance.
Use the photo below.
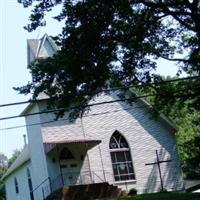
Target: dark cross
(158, 164)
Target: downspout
(84, 135)
(104, 175)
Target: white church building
(114, 143)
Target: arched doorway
(69, 167)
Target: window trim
(118, 149)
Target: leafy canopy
(186, 119)
(116, 43)
(188, 142)
(113, 43)
(3, 167)
(14, 156)
(5, 163)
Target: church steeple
(40, 48)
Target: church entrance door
(69, 167)
(70, 171)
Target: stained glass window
(121, 158)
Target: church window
(30, 184)
(16, 186)
(121, 158)
(66, 154)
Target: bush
(164, 190)
(132, 192)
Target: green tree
(188, 142)
(187, 119)
(14, 156)
(5, 163)
(116, 43)
(3, 167)
(2, 187)
(3, 160)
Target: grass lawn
(163, 196)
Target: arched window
(65, 154)
(30, 184)
(16, 185)
(121, 158)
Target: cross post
(158, 162)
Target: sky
(13, 68)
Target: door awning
(90, 143)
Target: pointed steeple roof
(40, 48)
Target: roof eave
(27, 109)
(162, 116)
(10, 173)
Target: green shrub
(132, 192)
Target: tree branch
(174, 59)
(175, 14)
